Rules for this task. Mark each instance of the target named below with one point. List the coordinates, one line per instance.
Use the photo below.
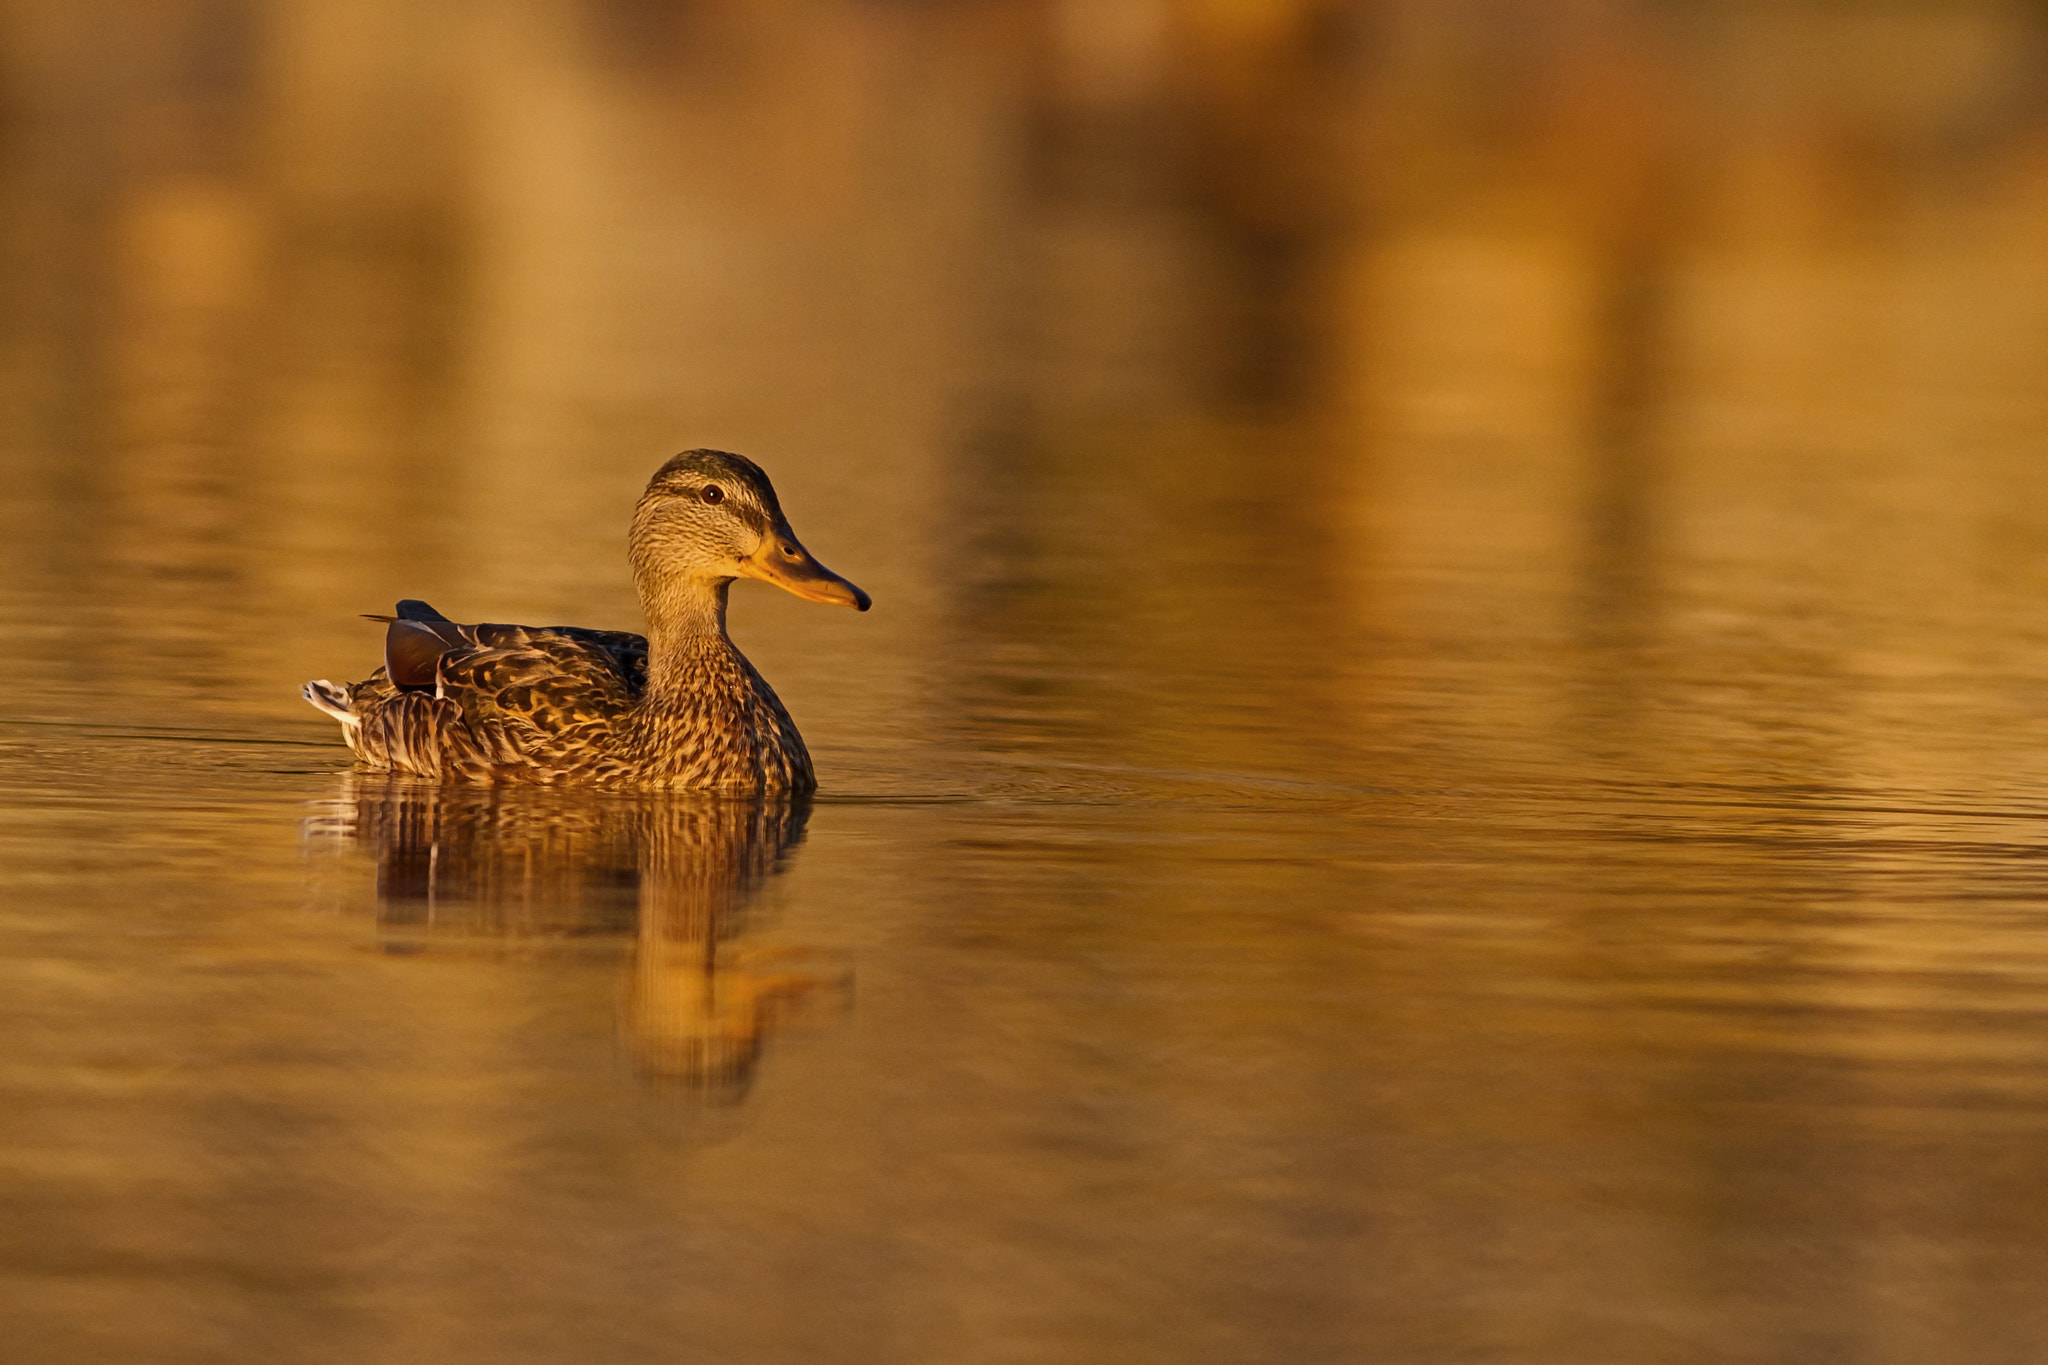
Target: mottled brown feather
(549, 704)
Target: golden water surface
(1448, 764)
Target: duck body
(563, 703)
(679, 708)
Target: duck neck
(685, 619)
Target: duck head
(709, 517)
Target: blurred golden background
(315, 305)
(1446, 766)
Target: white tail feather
(331, 698)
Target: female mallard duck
(680, 708)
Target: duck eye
(712, 493)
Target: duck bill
(783, 561)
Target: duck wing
(496, 701)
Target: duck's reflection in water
(676, 872)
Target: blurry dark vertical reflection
(1622, 504)
(1630, 194)
(675, 874)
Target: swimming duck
(680, 708)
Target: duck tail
(331, 698)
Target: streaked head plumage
(711, 515)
